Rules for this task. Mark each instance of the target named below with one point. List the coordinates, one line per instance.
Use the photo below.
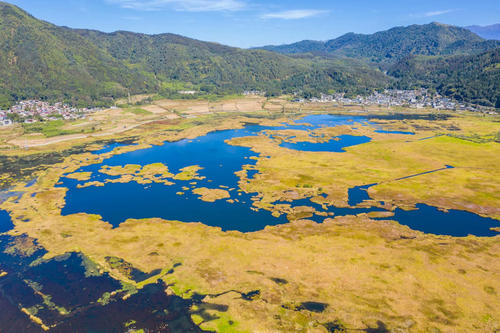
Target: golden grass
(365, 270)
(211, 195)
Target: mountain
(38, 59)
(41, 60)
(486, 32)
(473, 78)
(88, 67)
(453, 61)
(211, 65)
(395, 44)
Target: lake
(117, 202)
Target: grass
(49, 128)
(366, 271)
(211, 195)
(473, 185)
(139, 111)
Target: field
(351, 273)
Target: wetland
(258, 222)
(117, 200)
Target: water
(453, 223)
(108, 148)
(5, 221)
(358, 194)
(326, 120)
(337, 146)
(427, 172)
(424, 218)
(74, 285)
(31, 182)
(117, 202)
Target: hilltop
(474, 78)
(394, 44)
(39, 60)
(486, 32)
(42, 60)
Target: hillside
(38, 59)
(87, 67)
(486, 32)
(465, 78)
(41, 60)
(217, 67)
(392, 45)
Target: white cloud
(294, 14)
(439, 12)
(181, 5)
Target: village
(419, 99)
(32, 111)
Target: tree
(14, 117)
(5, 102)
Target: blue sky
(246, 23)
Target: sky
(248, 23)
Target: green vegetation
(397, 43)
(138, 111)
(50, 128)
(85, 67)
(38, 59)
(213, 68)
(451, 60)
(464, 78)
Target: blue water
(326, 120)
(119, 202)
(424, 218)
(31, 182)
(5, 221)
(108, 148)
(358, 194)
(330, 146)
(453, 223)
(425, 173)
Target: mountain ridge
(88, 67)
(42, 60)
(487, 31)
(471, 78)
(394, 44)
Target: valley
(318, 244)
(347, 182)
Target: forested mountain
(392, 45)
(215, 66)
(87, 67)
(452, 60)
(465, 78)
(39, 59)
(487, 32)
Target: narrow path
(423, 173)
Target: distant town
(418, 99)
(32, 111)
